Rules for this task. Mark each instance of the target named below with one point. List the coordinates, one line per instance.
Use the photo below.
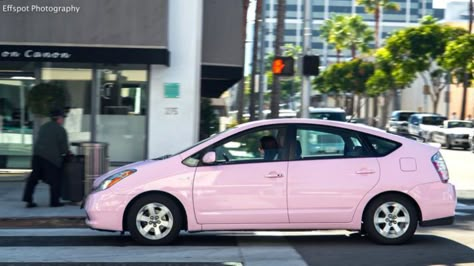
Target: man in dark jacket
(49, 150)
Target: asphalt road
(449, 245)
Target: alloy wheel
(154, 221)
(391, 220)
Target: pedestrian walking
(50, 148)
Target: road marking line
(462, 214)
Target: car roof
(427, 114)
(326, 110)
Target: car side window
(261, 145)
(312, 143)
(382, 146)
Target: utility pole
(466, 75)
(261, 80)
(306, 89)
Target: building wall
(173, 122)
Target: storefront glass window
(122, 115)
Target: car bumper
(436, 200)
(105, 210)
(459, 142)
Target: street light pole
(261, 80)
(306, 89)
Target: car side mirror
(209, 157)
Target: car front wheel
(154, 220)
(390, 219)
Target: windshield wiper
(162, 157)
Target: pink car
(280, 175)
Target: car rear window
(433, 120)
(329, 116)
(382, 146)
(404, 116)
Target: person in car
(269, 148)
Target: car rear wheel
(390, 219)
(448, 143)
(154, 220)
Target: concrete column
(173, 123)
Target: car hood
(429, 127)
(135, 165)
(460, 130)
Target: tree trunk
(275, 103)
(436, 101)
(471, 14)
(385, 107)
(240, 101)
(241, 87)
(377, 25)
(338, 55)
(376, 32)
(253, 95)
(353, 51)
(358, 105)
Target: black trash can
(72, 183)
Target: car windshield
(329, 116)
(433, 120)
(454, 124)
(202, 141)
(404, 116)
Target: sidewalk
(13, 213)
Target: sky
(439, 3)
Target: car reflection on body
(379, 183)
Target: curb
(43, 222)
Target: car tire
(154, 214)
(390, 219)
(448, 143)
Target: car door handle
(274, 175)
(365, 172)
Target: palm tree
(375, 7)
(280, 27)
(334, 32)
(258, 13)
(358, 35)
(240, 89)
(471, 14)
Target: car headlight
(114, 179)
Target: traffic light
(311, 65)
(283, 66)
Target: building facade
(409, 14)
(134, 73)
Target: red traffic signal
(283, 66)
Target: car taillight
(441, 167)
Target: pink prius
(278, 175)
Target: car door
(241, 187)
(326, 181)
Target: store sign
(32, 54)
(84, 54)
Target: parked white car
(454, 133)
(423, 124)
